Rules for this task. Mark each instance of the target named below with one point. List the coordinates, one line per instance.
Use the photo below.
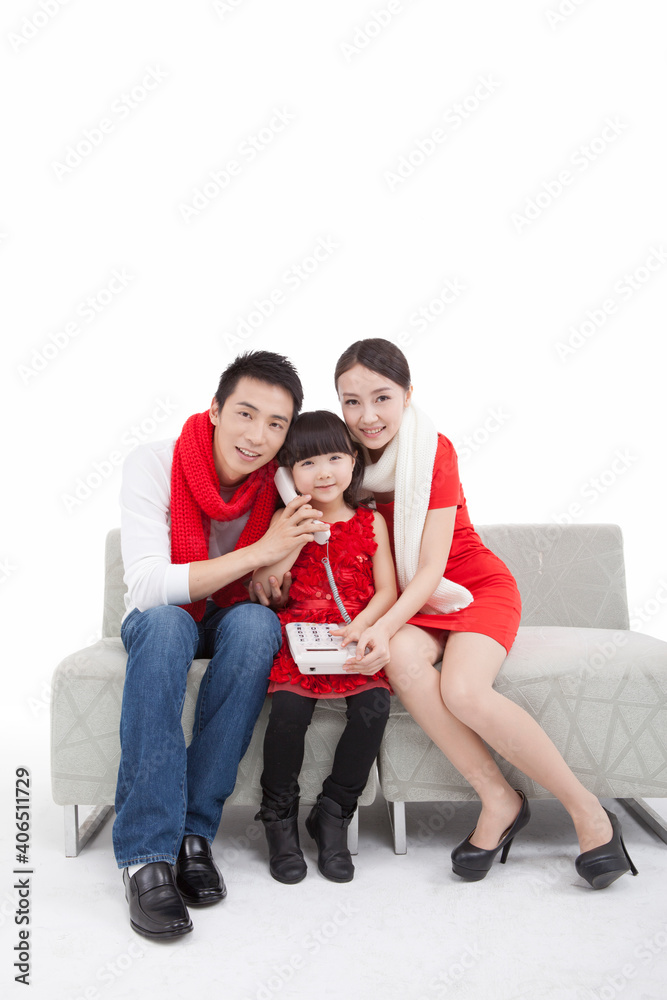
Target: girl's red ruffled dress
(351, 549)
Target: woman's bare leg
(471, 662)
(463, 694)
(417, 684)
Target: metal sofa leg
(353, 833)
(77, 837)
(397, 820)
(642, 809)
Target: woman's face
(372, 406)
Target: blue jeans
(165, 791)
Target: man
(194, 526)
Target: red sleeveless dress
(496, 609)
(351, 549)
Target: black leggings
(358, 746)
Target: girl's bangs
(317, 432)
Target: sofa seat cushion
(86, 698)
(598, 693)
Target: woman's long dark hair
(319, 432)
(379, 356)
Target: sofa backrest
(114, 586)
(571, 574)
(567, 574)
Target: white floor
(405, 927)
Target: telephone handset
(285, 486)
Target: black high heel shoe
(472, 863)
(603, 865)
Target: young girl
(469, 620)
(325, 467)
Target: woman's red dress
(496, 609)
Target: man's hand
(288, 532)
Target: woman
(470, 624)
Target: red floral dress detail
(351, 549)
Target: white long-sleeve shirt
(145, 530)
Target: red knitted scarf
(195, 490)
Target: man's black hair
(264, 366)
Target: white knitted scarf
(406, 467)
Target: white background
(547, 433)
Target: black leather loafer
(156, 907)
(197, 875)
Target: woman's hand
(372, 648)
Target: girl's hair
(319, 432)
(379, 356)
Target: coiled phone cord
(334, 588)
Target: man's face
(250, 428)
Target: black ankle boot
(286, 861)
(327, 824)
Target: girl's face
(324, 477)
(373, 407)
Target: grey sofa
(87, 691)
(598, 689)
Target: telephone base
(316, 651)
